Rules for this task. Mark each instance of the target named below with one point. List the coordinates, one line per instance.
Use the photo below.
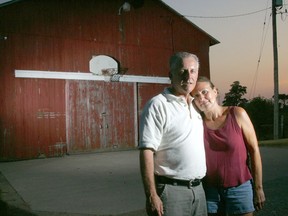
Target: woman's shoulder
(240, 114)
(238, 111)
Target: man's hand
(154, 206)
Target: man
(172, 156)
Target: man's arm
(153, 201)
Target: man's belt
(177, 182)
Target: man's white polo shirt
(174, 130)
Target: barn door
(100, 116)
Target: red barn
(51, 103)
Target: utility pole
(276, 82)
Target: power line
(228, 16)
(232, 16)
(264, 34)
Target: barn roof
(213, 40)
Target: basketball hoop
(115, 78)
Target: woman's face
(204, 95)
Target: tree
(260, 111)
(234, 96)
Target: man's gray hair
(176, 60)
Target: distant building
(47, 109)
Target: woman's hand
(259, 199)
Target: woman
(230, 140)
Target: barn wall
(39, 117)
(101, 115)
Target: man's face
(184, 80)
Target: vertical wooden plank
(84, 107)
(102, 113)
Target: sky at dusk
(244, 29)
